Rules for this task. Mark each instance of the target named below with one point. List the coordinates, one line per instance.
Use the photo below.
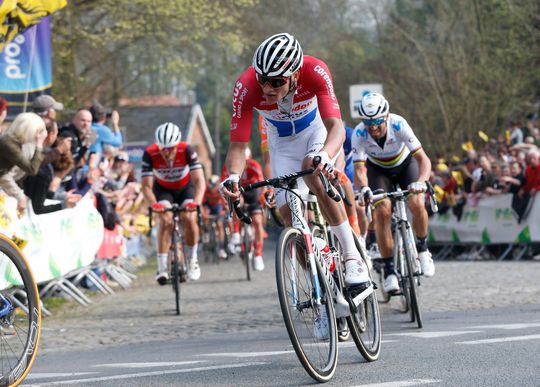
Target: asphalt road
(481, 328)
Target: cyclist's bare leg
(419, 215)
(383, 228)
(164, 232)
(191, 231)
(259, 232)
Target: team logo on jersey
(322, 72)
(396, 126)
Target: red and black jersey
(212, 197)
(252, 173)
(173, 174)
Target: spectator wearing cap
(104, 134)
(21, 145)
(81, 134)
(46, 106)
(3, 113)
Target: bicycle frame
(314, 256)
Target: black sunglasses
(275, 82)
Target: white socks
(344, 234)
(162, 262)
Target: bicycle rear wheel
(411, 269)
(20, 315)
(311, 327)
(175, 271)
(365, 321)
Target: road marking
(44, 375)
(147, 374)
(246, 354)
(501, 340)
(508, 326)
(149, 365)
(401, 383)
(432, 335)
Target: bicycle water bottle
(324, 249)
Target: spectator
(52, 153)
(483, 176)
(3, 114)
(532, 172)
(81, 135)
(37, 188)
(516, 134)
(513, 182)
(104, 134)
(21, 145)
(46, 106)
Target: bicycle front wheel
(175, 271)
(365, 321)
(411, 275)
(20, 315)
(311, 327)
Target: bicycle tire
(411, 268)
(344, 332)
(175, 275)
(214, 245)
(365, 321)
(295, 283)
(20, 330)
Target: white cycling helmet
(278, 56)
(168, 135)
(372, 106)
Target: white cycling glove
(233, 178)
(326, 161)
(417, 187)
(365, 195)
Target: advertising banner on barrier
(491, 221)
(26, 66)
(58, 242)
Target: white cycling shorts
(288, 153)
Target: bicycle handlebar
(396, 195)
(276, 182)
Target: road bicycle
(247, 240)
(210, 239)
(176, 259)
(406, 263)
(311, 296)
(20, 314)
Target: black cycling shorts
(387, 178)
(179, 196)
(251, 201)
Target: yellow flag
(467, 146)
(483, 136)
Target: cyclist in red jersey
(295, 95)
(171, 173)
(252, 174)
(213, 204)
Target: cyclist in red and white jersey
(171, 173)
(295, 95)
(252, 174)
(213, 204)
(387, 152)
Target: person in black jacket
(37, 188)
(81, 133)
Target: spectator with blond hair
(21, 146)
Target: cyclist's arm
(335, 137)
(199, 182)
(267, 167)
(424, 165)
(360, 174)
(146, 183)
(236, 158)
